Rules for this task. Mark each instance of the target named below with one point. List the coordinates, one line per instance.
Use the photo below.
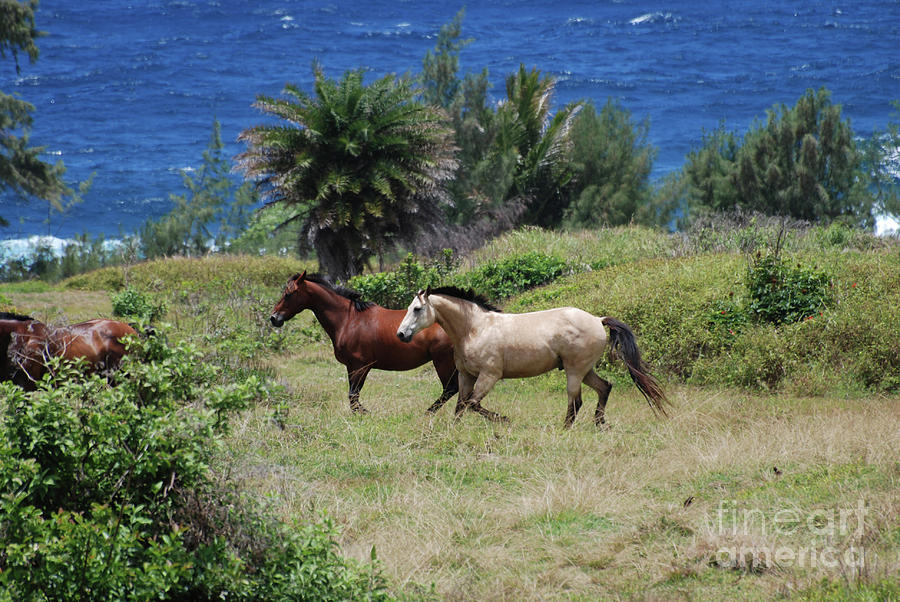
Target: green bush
(6, 304)
(780, 292)
(395, 289)
(107, 493)
(132, 303)
(612, 160)
(501, 279)
(496, 279)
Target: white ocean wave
(655, 17)
(885, 225)
(22, 248)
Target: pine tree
(212, 210)
(803, 162)
(612, 160)
(21, 169)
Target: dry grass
(531, 511)
(63, 306)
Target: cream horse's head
(419, 315)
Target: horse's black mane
(6, 315)
(348, 293)
(466, 295)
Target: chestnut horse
(363, 335)
(491, 345)
(26, 344)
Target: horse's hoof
(358, 409)
(495, 417)
(603, 426)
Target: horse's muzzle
(406, 338)
(276, 320)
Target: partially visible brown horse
(26, 344)
(363, 335)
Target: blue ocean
(128, 91)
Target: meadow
(776, 474)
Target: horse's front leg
(483, 385)
(357, 378)
(466, 386)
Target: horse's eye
(417, 310)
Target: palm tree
(361, 167)
(531, 146)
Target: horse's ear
(427, 291)
(302, 276)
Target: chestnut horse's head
(294, 300)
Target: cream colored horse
(489, 345)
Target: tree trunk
(338, 256)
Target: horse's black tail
(623, 343)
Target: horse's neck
(457, 317)
(331, 310)
(22, 327)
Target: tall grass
(180, 273)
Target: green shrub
(779, 292)
(497, 279)
(104, 279)
(727, 318)
(501, 279)
(132, 303)
(395, 289)
(106, 493)
(757, 360)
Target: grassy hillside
(776, 473)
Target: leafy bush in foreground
(106, 493)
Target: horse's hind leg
(602, 387)
(573, 388)
(357, 379)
